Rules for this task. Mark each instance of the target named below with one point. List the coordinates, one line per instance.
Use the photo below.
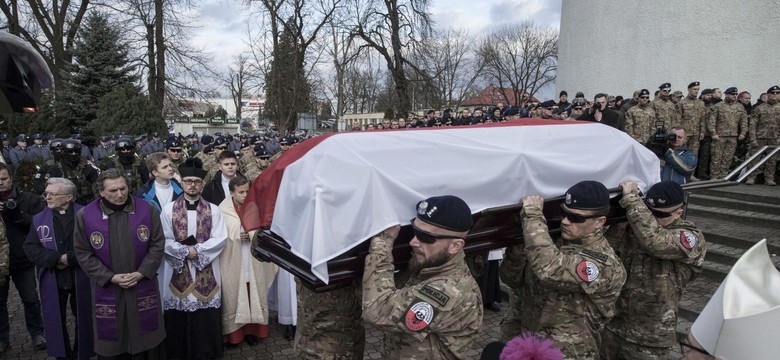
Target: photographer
(600, 113)
(17, 208)
(679, 161)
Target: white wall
(618, 46)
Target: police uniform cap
(665, 86)
(262, 153)
(206, 139)
(218, 134)
(155, 134)
(192, 167)
(284, 141)
(140, 138)
(773, 88)
(21, 137)
(76, 136)
(245, 144)
(644, 92)
(3, 137)
(172, 143)
(106, 138)
(587, 195)
(665, 194)
(37, 137)
(706, 91)
(447, 212)
(677, 93)
(695, 83)
(208, 149)
(548, 104)
(731, 90)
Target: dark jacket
(17, 222)
(47, 259)
(148, 192)
(608, 117)
(213, 191)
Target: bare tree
(241, 79)
(392, 27)
(522, 57)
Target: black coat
(18, 222)
(609, 117)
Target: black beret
(665, 86)
(262, 154)
(706, 91)
(587, 195)
(192, 167)
(644, 92)
(548, 104)
(665, 194)
(172, 143)
(563, 92)
(208, 149)
(695, 83)
(731, 90)
(773, 88)
(579, 94)
(284, 141)
(447, 212)
(220, 141)
(206, 139)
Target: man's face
(563, 98)
(21, 143)
(644, 99)
(773, 96)
(465, 113)
(219, 149)
(115, 191)
(263, 163)
(477, 113)
(402, 122)
(573, 231)
(192, 185)
(681, 138)
(603, 101)
(576, 111)
(239, 194)
(706, 97)
(764, 97)
(693, 91)
(745, 99)
(56, 197)
(664, 93)
(164, 170)
(674, 213)
(229, 166)
(716, 93)
(246, 150)
(731, 97)
(386, 123)
(437, 114)
(175, 153)
(6, 181)
(426, 255)
(38, 141)
(394, 124)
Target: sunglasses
(73, 152)
(644, 97)
(576, 218)
(221, 147)
(427, 237)
(775, 92)
(578, 108)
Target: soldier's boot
(770, 182)
(750, 181)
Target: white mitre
(742, 319)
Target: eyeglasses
(189, 182)
(685, 347)
(775, 92)
(428, 237)
(47, 194)
(576, 218)
(644, 97)
(220, 147)
(662, 214)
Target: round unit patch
(143, 233)
(419, 316)
(588, 271)
(687, 240)
(96, 240)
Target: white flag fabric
(351, 186)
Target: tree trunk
(151, 79)
(159, 86)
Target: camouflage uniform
(724, 120)
(568, 293)
(437, 315)
(329, 324)
(765, 129)
(640, 122)
(666, 112)
(693, 114)
(209, 164)
(83, 176)
(135, 176)
(661, 263)
(248, 166)
(5, 251)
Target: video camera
(659, 141)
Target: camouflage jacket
(567, 293)
(660, 263)
(436, 315)
(330, 325)
(693, 114)
(209, 164)
(765, 122)
(5, 250)
(727, 119)
(640, 123)
(666, 111)
(248, 166)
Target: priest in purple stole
(190, 279)
(60, 280)
(119, 244)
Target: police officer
(765, 130)
(155, 145)
(6, 148)
(131, 165)
(640, 119)
(103, 150)
(68, 163)
(725, 121)
(38, 150)
(565, 290)
(438, 312)
(662, 254)
(20, 152)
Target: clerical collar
(192, 205)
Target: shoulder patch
(688, 240)
(435, 295)
(595, 254)
(419, 316)
(588, 271)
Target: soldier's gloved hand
(629, 187)
(533, 200)
(393, 231)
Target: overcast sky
(224, 22)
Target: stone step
(736, 233)
(735, 204)
(751, 218)
(751, 193)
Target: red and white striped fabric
(330, 193)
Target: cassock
(191, 288)
(115, 241)
(245, 283)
